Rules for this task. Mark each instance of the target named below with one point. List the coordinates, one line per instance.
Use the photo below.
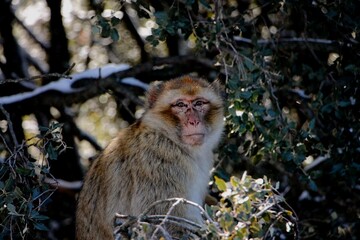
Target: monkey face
(190, 113)
(188, 109)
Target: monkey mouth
(194, 139)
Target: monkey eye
(199, 103)
(179, 104)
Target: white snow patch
(64, 85)
(135, 82)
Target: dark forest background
(291, 73)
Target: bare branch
(62, 184)
(158, 221)
(286, 40)
(49, 75)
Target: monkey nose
(194, 122)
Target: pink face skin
(191, 112)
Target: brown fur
(148, 162)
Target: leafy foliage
(106, 27)
(24, 193)
(248, 208)
(292, 83)
(291, 70)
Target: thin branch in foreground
(183, 222)
(158, 221)
(294, 219)
(183, 200)
(177, 202)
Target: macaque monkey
(167, 153)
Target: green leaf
(171, 29)
(287, 156)
(337, 168)
(312, 124)
(152, 40)
(35, 193)
(272, 113)
(114, 34)
(245, 117)
(56, 125)
(220, 184)
(344, 103)
(51, 151)
(189, 2)
(43, 130)
(249, 64)
(11, 208)
(161, 18)
(234, 181)
(115, 21)
(312, 185)
(41, 227)
(257, 158)
(101, 21)
(105, 30)
(18, 193)
(205, 4)
(24, 171)
(9, 184)
(36, 216)
(209, 210)
(245, 94)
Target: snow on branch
(79, 87)
(135, 82)
(65, 85)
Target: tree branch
(285, 40)
(93, 82)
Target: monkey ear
(153, 93)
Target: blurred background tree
(291, 71)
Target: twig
(294, 218)
(258, 214)
(10, 126)
(287, 40)
(183, 200)
(316, 162)
(153, 220)
(51, 192)
(63, 184)
(48, 75)
(176, 220)
(273, 96)
(184, 223)
(177, 202)
(5, 143)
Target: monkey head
(187, 108)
